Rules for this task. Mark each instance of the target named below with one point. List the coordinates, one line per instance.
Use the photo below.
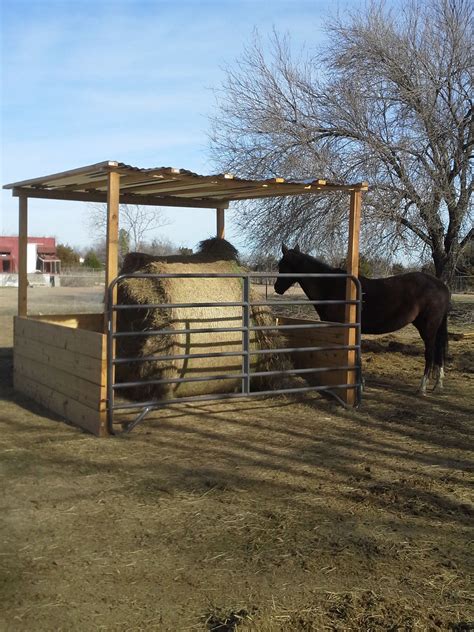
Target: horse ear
(297, 248)
(284, 249)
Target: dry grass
(272, 516)
(269, 515)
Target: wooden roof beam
(101, 185)
(160, 175)
(273, 192)
(72, 173)
(187, 188)
(144, 200)
(246, 192)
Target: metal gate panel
(245, 330)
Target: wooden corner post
(23, 256)
(220, 221)
(113, 198)
(111, 261)
(351, 291)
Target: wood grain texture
(22, 256)
(319, 337)
(63, 367)
(76, 413)
(351, 290)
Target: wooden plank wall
(312, 359)
(63, 367)
(91, 322)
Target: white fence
(82, 277)
(68, 278)
(8, 280)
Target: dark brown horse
(387, 304)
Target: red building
(44, 260)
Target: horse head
(287, 264)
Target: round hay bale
(137, 291)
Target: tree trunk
(445, 265)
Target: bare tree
(138, 221)
(388, 100)
(160, 247)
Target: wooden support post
(220, 220)
(111, 265)
(22, 256)
(113, 196)
(351, 293)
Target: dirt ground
(271, 515)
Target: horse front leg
(424, 383)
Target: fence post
(246, 335)
(220, 222)
(351, 292)
(23, 256)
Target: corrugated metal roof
(166, 186)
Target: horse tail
(441, 342)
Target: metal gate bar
(245, 375)
(185, 356)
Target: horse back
(391, 303)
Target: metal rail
(246, 374)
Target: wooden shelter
(115, 183)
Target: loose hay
(136, 291)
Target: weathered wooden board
(91, 322)
(63, 367)
(320, 336)
(74, 387)
(78, 414)
(92, 369)
(62, 335)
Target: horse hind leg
(428, 369)
(429, 340)
(441, 346)
(423, 385)
(439, 378)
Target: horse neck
(318, 288)
(310, 264)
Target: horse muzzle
(279, 289)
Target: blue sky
(128, 80)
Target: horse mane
(320, 264)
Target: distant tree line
(137, 222)
(94, 257)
